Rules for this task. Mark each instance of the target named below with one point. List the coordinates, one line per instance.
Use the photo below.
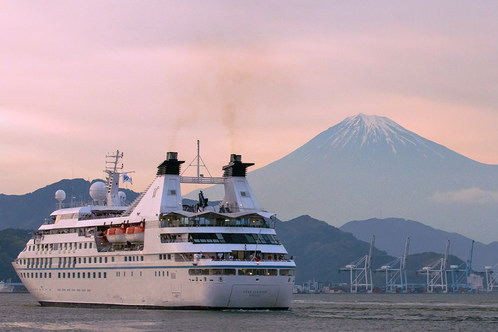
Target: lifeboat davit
(135, 234)
(116, 234)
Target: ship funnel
(236, 167)
(172, 156)
(235, 158)
(171, 165)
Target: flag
(126, 178)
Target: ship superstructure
(158, 253)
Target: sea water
(319, 312)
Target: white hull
(151, 289)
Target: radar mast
(113, 169)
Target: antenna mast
(198, 163)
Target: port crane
(460, 274)
(360, 271)
(436, 273)
(491, 278)
(395, 272)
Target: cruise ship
(157, 252)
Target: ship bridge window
(171, 238)
(238, 238)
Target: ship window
(142, 258)
(79, 260)
(78, 275)
(100, 259)
(100, 275)
(112, 259)
(90, 245)
(169, 256)
(160, 256)
(83, 275)
(94, 275)
(58, 275)
(125, 258)
(105, 274)
(50, 275)
(84, 260)
(63, 274)
(95, 259)
(105, 260)
(80, 246)
(85, 245)
(88, 275)
(287, 272)
(271, 272)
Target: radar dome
(122, 197)
(60, 195)
(98, 192)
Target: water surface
(326, 312)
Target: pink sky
(79, 79)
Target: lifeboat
(116, 234)
(135, 234)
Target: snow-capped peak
(366, 130)
(371, 136)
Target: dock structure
(360, 272)
(436, 275)
(395, 272)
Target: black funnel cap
(236, 167)
(171, 165)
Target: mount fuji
(369, 166)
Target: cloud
(467, 196)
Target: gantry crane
(360, 271)
(491, 278)
(396, 272)
(436, 273)
(460, 274)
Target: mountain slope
(320, 249)
(368, 166)
(12, 241)
(391, 234)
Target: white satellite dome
(98, 192)
(60, 195)
(122, 197)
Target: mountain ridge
(391, 233)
